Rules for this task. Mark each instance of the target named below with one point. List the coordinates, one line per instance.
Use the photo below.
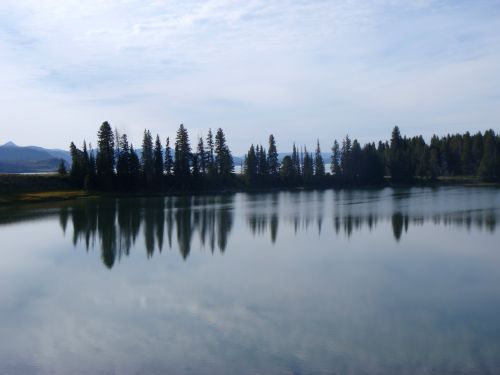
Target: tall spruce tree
(308, 167)
(195, 166)
(210, 158)
(158, 163)
(319, 164)
(105, 161)
(250, 167)
(223, 159)
(296, 161)
(90, 181)
(135, 168)
(147, 159)
(169, 161)
(85, 159)
(77, 173)
(123, 164)
(202, 159)
(372, 165)
(182, 156)
(399, 160)
(356, 161)
(346, 158)
(262, 167)
(335, 162)
(272, 159)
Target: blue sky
(299, 69)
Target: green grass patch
(45, 196)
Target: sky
(302, 70)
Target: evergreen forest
(207, 163)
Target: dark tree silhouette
(158, 164)
(250, 167)
(169, 162)
(272, 159)
(105, 161)
(182, 157)
(211, 165)
(147, 159)
(224, 166)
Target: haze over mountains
(30, 159)
(35, 159)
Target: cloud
(291, 67)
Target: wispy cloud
(302, 69)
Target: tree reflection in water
(351, 213)
(114, 225)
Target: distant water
(390, 281)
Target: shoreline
(46, 196)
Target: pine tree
(135, 168)
(346, 158)
(147, 159)
(117, 145)
(250, 167)
(90, 181)
(158, 163)
(210, 154)
(182, 156)
(399, 158)
(272, 159)
(335, 162)
(195, 165)
(169, 162)
(295, 161)
(308, 167)
(105, 161)
(123, 163)
(356, 161)
(85, 159)
(319, 164)
(262, 167)
(224, 166)
(202, 159)
(372, 165)
(77, 173)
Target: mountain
(30, 159)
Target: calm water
(332, 282)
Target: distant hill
(30, 159)
(34, 159)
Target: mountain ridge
(30, 159)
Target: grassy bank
(45, 196)
(32, 188)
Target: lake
(388, 281)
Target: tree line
(116, 165)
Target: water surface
(391, 281)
